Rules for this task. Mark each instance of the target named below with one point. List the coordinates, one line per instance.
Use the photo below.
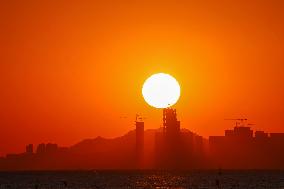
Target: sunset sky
(69, 70)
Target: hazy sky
(70, 69)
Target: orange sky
(70, 69)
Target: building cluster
(168, 147)
(44, 157)
(239, 148)
(246, 149)
(173, 147)
(41, 149)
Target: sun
(161, 90)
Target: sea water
(142, 179)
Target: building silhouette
(176, 148)
(29, 149)
(240, 132)
(169, 147)
(171, 126)
(240, 148)
(139, 142)
(41, 148)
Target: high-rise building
(139, 142)
(170, 123)
(29, 149)
(168, 141)
(240, 149)
(41, 148)
(139, 135)
(244, 132)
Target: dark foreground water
(143, 179)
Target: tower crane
(139, 118)
(239, 121)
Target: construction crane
(239, 121)
(139, 118)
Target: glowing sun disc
(161, 90)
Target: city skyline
(169, 147)
(142, 94)
(70, 70)
(139, 119)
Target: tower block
(139, 142)
(171, 126)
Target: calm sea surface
(143, 179)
